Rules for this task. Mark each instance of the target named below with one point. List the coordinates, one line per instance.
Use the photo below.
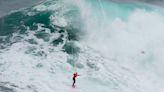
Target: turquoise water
(28, 20)
(116, 47)
(114, 10)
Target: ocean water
(11, 5)
(115, 47)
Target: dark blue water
(9, 5)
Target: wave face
(114, 47)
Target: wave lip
(114, 47)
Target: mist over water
(116, 47)
(7, 6)
(129, 34)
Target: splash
(115, 47)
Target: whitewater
(115, 47)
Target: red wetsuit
(74, 77)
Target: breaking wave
(115, 47)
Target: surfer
(74, 78)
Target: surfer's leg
(73, 81)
